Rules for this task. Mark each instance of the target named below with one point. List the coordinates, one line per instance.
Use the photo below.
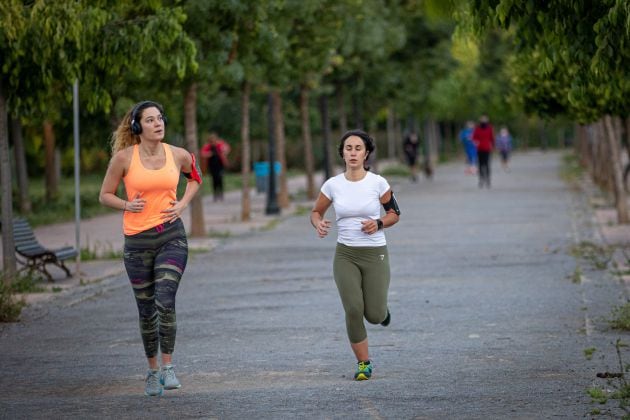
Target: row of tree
(403, 64)
(376, 55)
(572, 59)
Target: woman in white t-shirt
(361, 264)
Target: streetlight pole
(272, 199)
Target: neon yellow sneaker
(364, 371)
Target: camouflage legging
(155, 260)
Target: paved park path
(488, 320)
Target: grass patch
(61, 208)
(576, 277)
(27, 283)
(396, 170)
(10, 307)
(588, 353)
(302, 210)
(617, 388)
(597, 256)
(620, 317)
(570, 169)
(270, 225)
(220, 234)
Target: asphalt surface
(487, 321)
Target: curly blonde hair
(123, 137)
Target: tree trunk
(447, 143)
(8, 245)
(281, 156)
(615, 158)
(601, 159)
(197, 226)
(341, 109)
(308, 143)
(20, 165)
(245, 154)
(52, 182)
(328, 161)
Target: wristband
(379, 223)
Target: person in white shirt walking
(361, 263)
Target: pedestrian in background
(410, 148)
(465, 136)
(214, 154)
(504, 145)
(483, 137)
(361, 262)
(155, 247)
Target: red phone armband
(196, 171)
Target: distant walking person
(483, 137)
(504, 145)
(410, 148)
(156, 249)
(214, 154)
(465, 136)
(361, 263)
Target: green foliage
(574, 67)
(26, 283)
(10, 308)
(617, 388)
(620, 317)
(396, 170)
(598, 256)
(588, 353)
(570, 169)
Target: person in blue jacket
(465, 136)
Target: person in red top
(214, 154)
(483, 137)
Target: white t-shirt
(354, 202)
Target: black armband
(392, 204)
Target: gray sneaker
(168, 378)
(153, 387)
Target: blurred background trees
(553, 73)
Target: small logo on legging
(159, 228)
(382, 257)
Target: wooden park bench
(33, 256)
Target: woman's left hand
(172, 213)
(369, 226)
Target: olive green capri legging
(362, 277)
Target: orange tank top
(157, 186)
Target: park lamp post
(272, 199)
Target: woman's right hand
(136, 205)
(322, 228)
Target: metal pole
(272, 200)
(77, 172)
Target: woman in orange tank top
(156, 250)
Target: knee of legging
(147, 311)
(166, 306)
(357, 335)
(354, 313)
(374, 317)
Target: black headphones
(136, 127)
